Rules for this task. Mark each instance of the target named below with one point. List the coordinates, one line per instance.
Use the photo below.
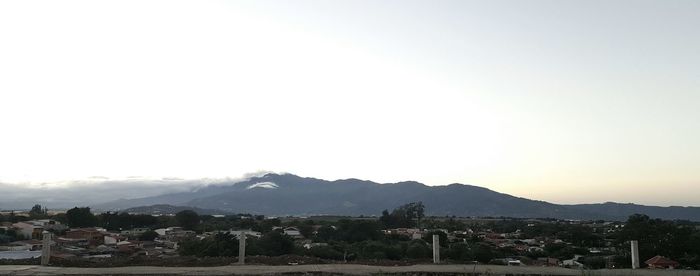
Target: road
(349, 269)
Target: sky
(563, 101)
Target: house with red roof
(660, 262)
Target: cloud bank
(95, 190)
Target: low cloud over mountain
(287, 194)
(97, 190)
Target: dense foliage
(408, 215)
(81, 217)
(122, 221)
(678, 240)
(188, 219)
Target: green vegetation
(38, 212)
(462, 240)
(121, 221)
(408, 215)
(678, 240)
(81, 217)
(188, 219)
(149, 235)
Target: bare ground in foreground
(336, 269)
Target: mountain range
(288, 194)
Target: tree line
(348, 239)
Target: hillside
(167, 209)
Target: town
(79, 237)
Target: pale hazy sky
(564, 101)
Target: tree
(8, 235)
(357, 230)
(326, 252)
(379, 250)
(386, 219)
(483, 253)
(219, 245)
(114, 221)
(404, 216)
(459, 252)
(306, 230)
(187, 219)
(275, 243)
(418, 249)
(443, 237)
(81, 217)
(266, 225)
(149, 235)
(37, 211)
(416, 210)
(659, 237)
(325, 233)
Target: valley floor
(336, 269)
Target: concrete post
(436, 249)
(635, 254)
(46, 248)
(241, 248)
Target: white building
(293, 232)
(251, 233)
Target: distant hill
(287, 194)
(623, 210)
(166, 209)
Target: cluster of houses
(95, 242)
(521, 246)
(100, 243)
(91, 242)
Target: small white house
(315, 244)
(113, 239)
(293, 232)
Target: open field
(348, 269)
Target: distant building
(660, 262)
(548, 261)
(93, 236)
(27, 245)
(49, 224)
(174, 234)
(251, 233)
(32, 244)
(293, 232)
(128, 246)
(32, 229)
(28, 230)
(314, 244)
(113, 239)
(514, 263)
(412, 233)
(134, 232)
(18, 255)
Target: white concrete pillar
(436, 249)
(241, 248)
(635, 254)
(46, 248)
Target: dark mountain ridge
(167, 209)
(287, 194)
